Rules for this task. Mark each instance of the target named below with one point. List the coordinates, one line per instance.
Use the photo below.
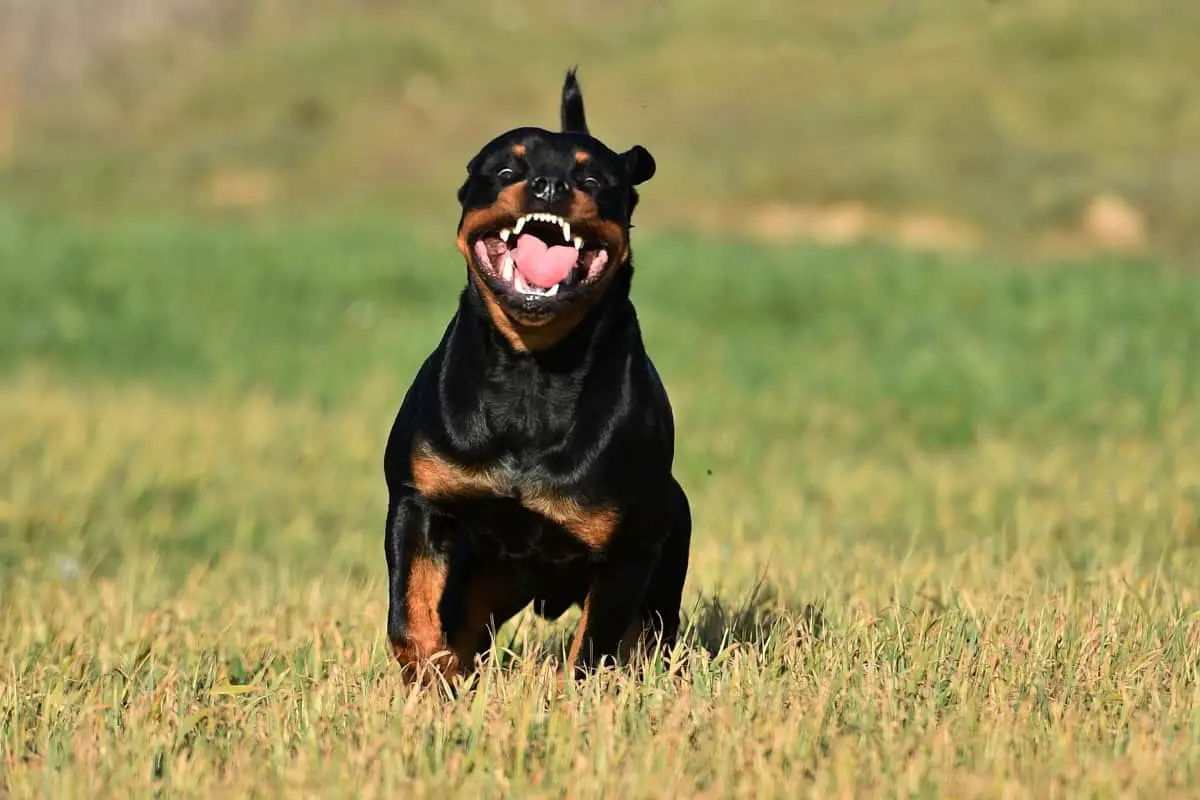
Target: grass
(971, 492)
(1011, 116)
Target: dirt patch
(1109, 223)
(1113, 223)
(842, 223)
(235, 189)
(934, 232)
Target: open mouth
(539, 258)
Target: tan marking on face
(508, 205)
(527, 337)
(531, 334)
(584, 216)
(518, 150)
(582, 157)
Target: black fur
(573, 118)
(586, 420)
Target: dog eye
(504, 174)
(591, 183)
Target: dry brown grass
(965, 656)
(969, 496)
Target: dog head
(545, 222)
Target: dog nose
(548, 190)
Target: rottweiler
(531, 459)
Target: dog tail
(573, 118)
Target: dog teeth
(578, 242)
(504, 234)
(522, 287)
(507, 268)
(540, 216)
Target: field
(947, 123)
(947, 540)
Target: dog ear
(472, 168)
(571, 112)
(639, 163)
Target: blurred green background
(1050, 126)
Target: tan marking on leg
(416, 653)
(580, 633)
(631, 642)
(487, 595)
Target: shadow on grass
(761, 616)
(761, 620)
(758, 619)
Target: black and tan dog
(531, 459)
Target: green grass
(972, 492)
(1010, 115)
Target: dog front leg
(611, 616)
(418, 566)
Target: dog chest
(499, 490)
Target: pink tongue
(543, 266)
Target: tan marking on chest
(592, 526)
(438, 478)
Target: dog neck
(518, 397)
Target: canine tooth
(504, 234)
(578, 242)
(566, 228)
(520, 224)
(553, 290)
(507, 268)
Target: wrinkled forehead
(542, 149)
